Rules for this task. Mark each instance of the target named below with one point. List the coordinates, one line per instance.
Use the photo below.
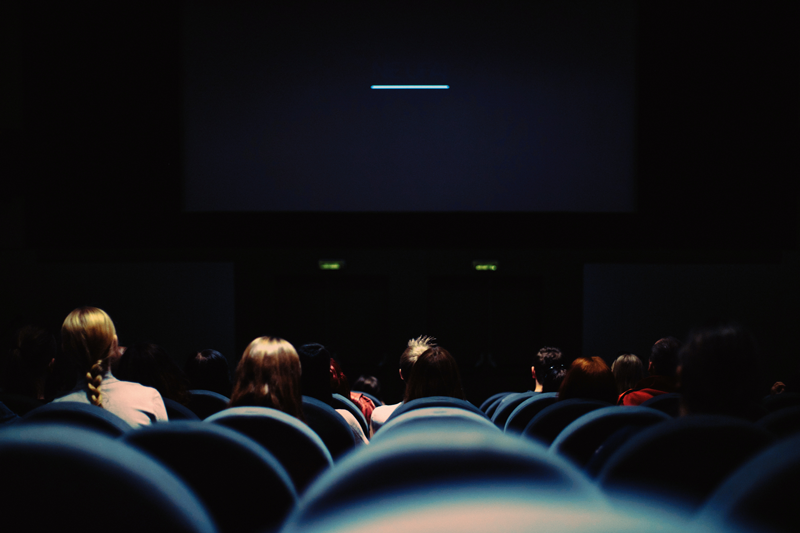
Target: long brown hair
(589, 378)
(88, 336)
(268, 375)
(435, 373)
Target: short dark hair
(546, 357)
(315, 361)
(553, 377)
(368, 384)
(664, 356)
(150, 365)
(209, 370)
(434, 374)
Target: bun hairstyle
(88, 336)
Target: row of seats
(257, 469)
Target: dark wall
(92, 169)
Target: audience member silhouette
(628, 370)
(414, 349)
(369, 384)
(435, 373)
(209, 370)
(315, 360)
(545, 359)
(589, 378)
(341, 385)
(150, 365)
(89, 338)
(268, 375)
(720, 373)
(25, 369)
(553, 377)
(662, 369)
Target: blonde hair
(416, 347)
(268, 375)
(89, 337)
(628, 370)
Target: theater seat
(495, 507)
(782, 423)
(669, 403)
(298, 448)
(340, 402)
(551, 420)
(178, 411)
(81, 415)
(433, 419)
(507, 406)
(58, 478)
(205, 403)
(761, 495)
(528, 409)
(243, 486)
(491, 399)
(579, 440)
(441, 462)
(372, 397)
(331, 427)
(685, 458)
(434, 401)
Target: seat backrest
(298, 448)
(777, 402)
(669, 403)
(331, 427)
(242, 485)
(372, 397)
(507, 406)
(432, 419)
(782, 423)
(490, 400)
(762, 494)
(581, 438)
(489, 506)
(525, 411)
(79, 414)
(205, 403)
(56, 477)
(177, 411)
(434, 401)
(552, 420)
(20, 404)
(340, 402)
(685, 457)
(439, 460)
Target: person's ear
(650, 368)
(533, 373)
(400, 371)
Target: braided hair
(88, 336)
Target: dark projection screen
(538, 115)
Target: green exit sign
(484, 265)
(331, 265)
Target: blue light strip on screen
(409, 87)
